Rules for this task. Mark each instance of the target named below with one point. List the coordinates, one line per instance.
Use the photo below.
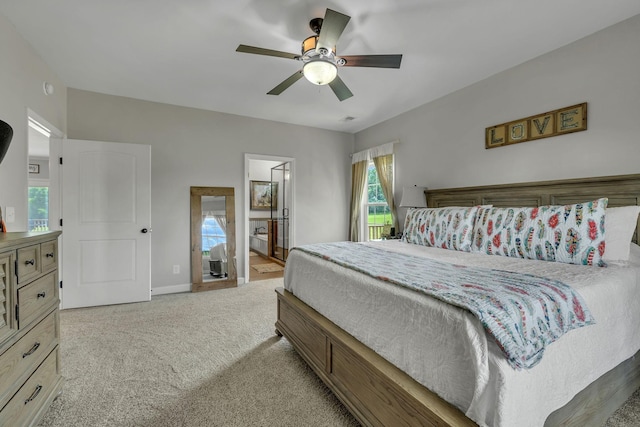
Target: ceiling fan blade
(378, 61)
(340, 89)
(268, 52)
(332, 27)
(285, 84)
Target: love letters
(553, 123)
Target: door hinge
(60, 222)
(60, 160)
(60, 284)
(17, 312)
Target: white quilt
(446, 349)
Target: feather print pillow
(446, 228)
(572, 234)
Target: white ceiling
(183, 52)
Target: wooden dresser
(29, 326)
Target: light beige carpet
(267, 268)
(204, 359)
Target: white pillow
(634, 254)
(619, 223)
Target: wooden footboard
(375, 392)
(379, 394)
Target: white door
(106, 212)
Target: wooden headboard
(622, 190)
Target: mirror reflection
(212, 238)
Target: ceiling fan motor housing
(309, 48)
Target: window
(38, 209)
(212, 234)
(376, 207)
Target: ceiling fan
(319, 56)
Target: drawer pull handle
(32, 350)
(42, 295)
(30, 262)
(35, 394)
(50, 255)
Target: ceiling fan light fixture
(320, 72)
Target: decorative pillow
(620, 224)
(572, 234)
(446, 228)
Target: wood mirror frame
(197, 282)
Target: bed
(582, 382)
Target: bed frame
(379, 394)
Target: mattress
(446, 349)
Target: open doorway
(269, 215)
(44, 143)
(38, 197)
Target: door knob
(144, 230)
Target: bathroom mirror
(213, 238)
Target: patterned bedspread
(522, 312)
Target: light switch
(10, 214)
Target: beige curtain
(384, 167)
(358, 179)
(220, 217)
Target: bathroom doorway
(43, 197)
(269, 215)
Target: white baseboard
(176, 289)
(173, 289)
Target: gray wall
(191, 147)
(22, 74)
(43, 172)
(442, 143)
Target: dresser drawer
(35, 297)
(26, 403)
(24, 356)
(49, 255)
(28, 263)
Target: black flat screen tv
(6, 133)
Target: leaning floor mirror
(213, 238)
